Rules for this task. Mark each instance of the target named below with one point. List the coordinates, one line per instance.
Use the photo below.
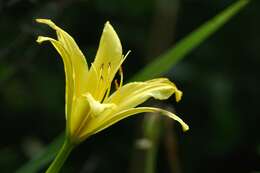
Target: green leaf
(165, 62)
(43, 158)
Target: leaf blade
(43, 158)
(189, 43)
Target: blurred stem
(152, 130)
(163, 31)
(171, 146)
(61, 157)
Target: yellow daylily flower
(90, 107)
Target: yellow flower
(90, 107)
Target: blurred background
(220, 81)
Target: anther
(101, 71)
(116, 84)
(102, 66)
(121, 76)
(121, 70)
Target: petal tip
(39, 39)
(178, 95)
(47, 22)
(40, 20)
(185, 127)
(108, 27)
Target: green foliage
(43, 158)
(167, 60)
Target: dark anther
(102, 66)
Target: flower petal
(85, 109)
(135, 93)
(107, 62)
(97, 108)
(81, 111)
(70, 85)
(105, 120)
(74, 56)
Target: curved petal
(107, 62)
(75, 56)
(81, 111)
(97, 107)
(70, 84)
(103, 122)
(135, 93)
(85, 109)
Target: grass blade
(167, 60)
(43, 158)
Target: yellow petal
(105, 121)
(85, 109)
(135, 93)
(70, 85)
(107, 62)
(97, 107)
(80, 113)
(75, 56)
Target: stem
(152, 133)
(61, 157)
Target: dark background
(220, 81)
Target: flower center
(103, 81)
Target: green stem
(61, 157)
(152, 132)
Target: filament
(121, 76)
(108, 81)
(116, 84)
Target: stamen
(127, 54)
(121, 70)
(122, 60)
(108, 72)
(116, 84)
(101, 71)
(94, 68)
(102, 66)
(99, 85)
(108, 81)
(121, 76)
(100, 79)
